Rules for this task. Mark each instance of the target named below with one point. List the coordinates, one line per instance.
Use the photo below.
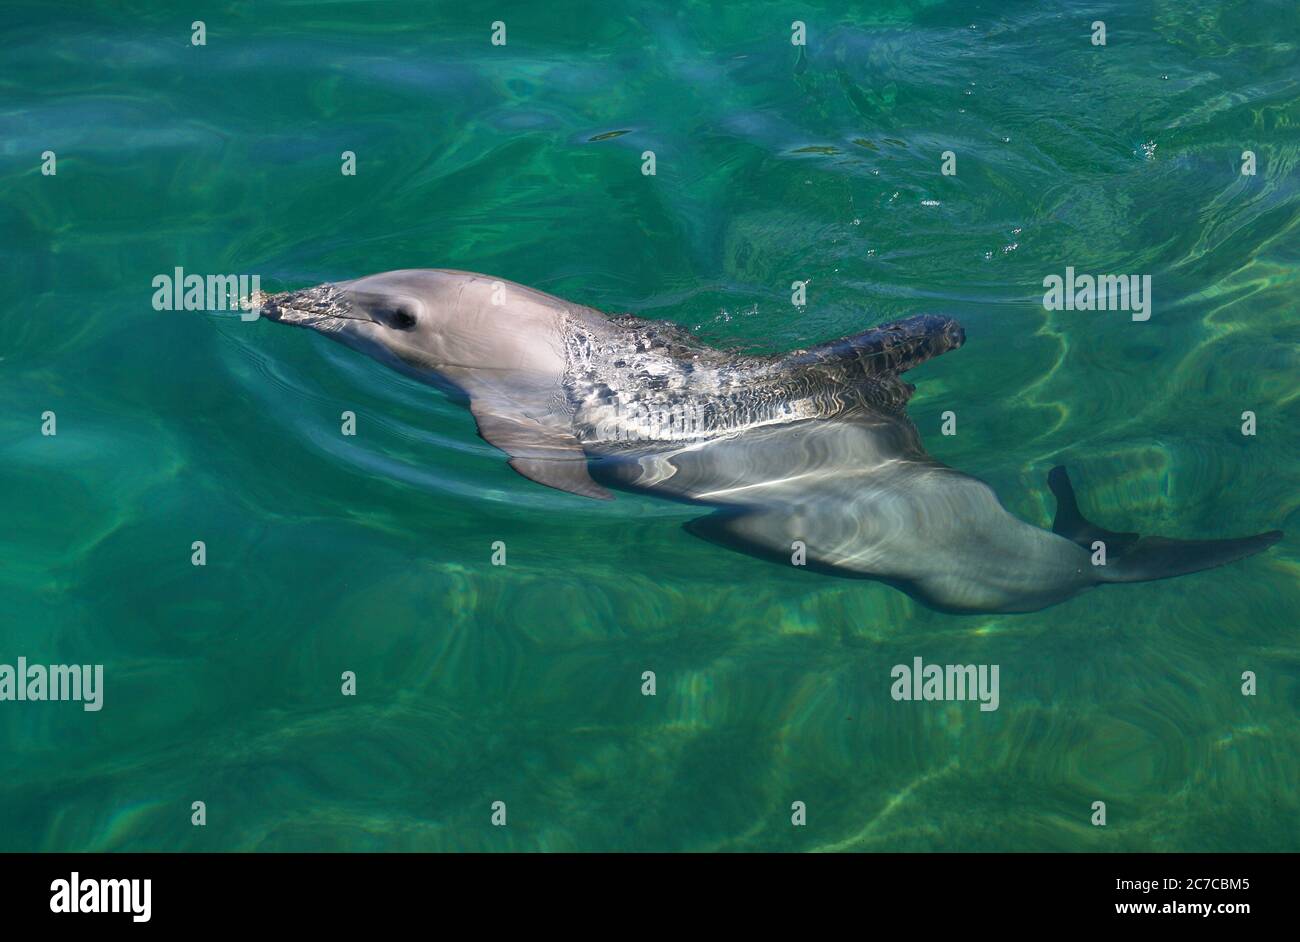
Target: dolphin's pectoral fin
(538, 452)
(757, 533)
(716, 528)
(1134, 558)
(1071, 524)
(723, 528)
(568, 476)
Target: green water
(522, 683)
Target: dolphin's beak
(307, 308)
(265, 305)
(279, 307)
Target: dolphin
(808, 453)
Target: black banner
(1228, 892)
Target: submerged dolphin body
(814, 446)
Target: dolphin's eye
(398, 318)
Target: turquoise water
(522, 683)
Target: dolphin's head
(429, 322)
(395, 317)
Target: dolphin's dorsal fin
(890, 348)
(1134, 558)
(538, 451)
(1070, 522)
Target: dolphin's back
(634, 382)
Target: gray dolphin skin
(813, 446)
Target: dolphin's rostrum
(813, 447)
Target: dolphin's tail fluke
(1134, 558)
(1155, 557)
